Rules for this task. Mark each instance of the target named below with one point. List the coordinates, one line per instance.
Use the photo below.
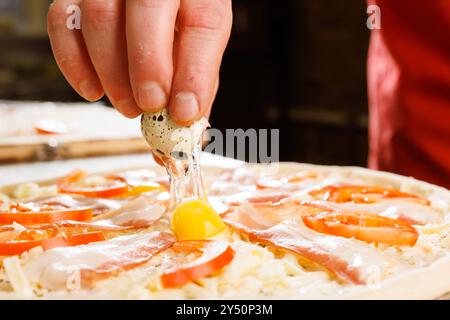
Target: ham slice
(266, 214)
(137, 177)
(349, 260)
(411, 212)
(55, 268)
(140, 212)
(234, 181)
(98, 205)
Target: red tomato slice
(31, 213)
(116, 188)
(14, 247)
(363, 226)
(79, 225)
(214, 256)
(49, 126)
(362, 194)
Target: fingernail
(151, 96)
(128, 108)
(185, 106)
(90, 91)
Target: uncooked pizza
(32, 131)
(283, 231)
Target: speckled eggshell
(167, 138)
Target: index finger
(70, 50)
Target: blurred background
(297, 65)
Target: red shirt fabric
(409, 90)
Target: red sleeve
(409, 90)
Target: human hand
(144, 54)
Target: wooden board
(92, 130)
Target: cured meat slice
(349, 260)
(140, 212)
(412, 212)
(56, 268)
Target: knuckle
(151, 4)
(97, 12)
(211, 17)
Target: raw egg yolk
(196, 220)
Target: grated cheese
(17, 277)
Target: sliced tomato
(70, 184)
(49, 126)
(363, 226)
(214, 256)
(32, 213)
(121, 186)
(71, 227)
(19, 245)
(362, 194)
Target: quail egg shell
(169, 139)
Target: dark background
(297, 65)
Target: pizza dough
(257, 272)
(36, 131)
